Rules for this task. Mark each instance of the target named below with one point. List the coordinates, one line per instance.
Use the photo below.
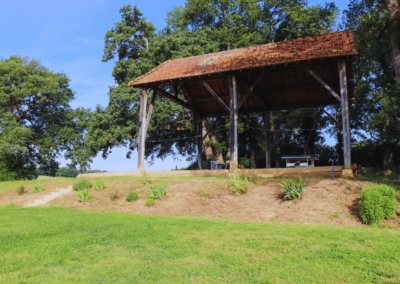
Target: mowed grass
(54, 245)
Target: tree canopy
(37, 124)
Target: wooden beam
(198, 129)
(250, 89)
(215, 95)
(150, 113)
(256, 92)
(172, 98)
(330, 116)
(142, 134)
(233, 164)
(323, 83)
(345, 114)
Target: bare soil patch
(332, 202)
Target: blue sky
(68, 36)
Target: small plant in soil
(20, 190)
(81, 184)
(132, 196)
(99, 184)
(240, 183)
(203, 191)
(146, 180)
(37, 188)
(292, 190)
(150, 202)
(84, 195)
(158, 191)
(114, 194)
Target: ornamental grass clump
(81, 184)
(37, 188)
(84, 195)
(99, 185)
(158, 191)
(132, 196)
(240, 183)
(146, 180)
(292, 190)
(377, 202)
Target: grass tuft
(20, 190)
(37, 188)
(99, 184)
(81, 184)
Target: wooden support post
(345, 115)
(199, 141)
(267, 126)
(233, 164)
(150, 112)
(142, 128)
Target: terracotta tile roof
(317, 47)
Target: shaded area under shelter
(306, 72)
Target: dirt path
(47, 198)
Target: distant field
(54, 245)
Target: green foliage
(36, 120)
(158, 191)
(114, 194)
(20, 190)
(99, 184)
(146, 180)
(84, 195)
(291, 189)
(132, 196)
(81, 184)
(376, 203)
(203, 191)
(150, 202)
(240, 183)
(37, 188)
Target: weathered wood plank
(345, 114)
(142, 135)
(233, 164)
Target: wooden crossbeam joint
(322, 83)
(250, 89)
(215, 96)
(174, 99)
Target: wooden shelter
(306, 72)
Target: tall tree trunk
(208, 149)
(394, 34)
(339, 159)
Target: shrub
(292, 190)
(20, 190)
(132, 196)
(150, 202)
(114, 194)
(81, 184)
(84, 195)
(377, 203)
(158, 191)
(146, 180)
(37, 188)
(99, 185)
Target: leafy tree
(37, 125)
(376, 28)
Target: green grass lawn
(54, 245)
